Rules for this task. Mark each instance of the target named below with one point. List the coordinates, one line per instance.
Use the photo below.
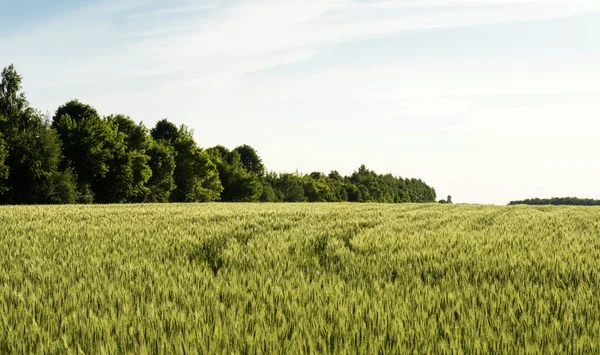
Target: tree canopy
(80, 156)
(558, 201)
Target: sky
(486, 100)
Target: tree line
(558, 201)
(79, 156)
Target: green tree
(82, 157)
(166, 131)
(196, 176)
(419, 192)
(239, 185)
(268, 194)
(137, 142)
(14, 106)
(96, 151)
(4, 171)
(64, 187)
(558, 201)
(367, 182)
(162, 164)
(137, 137)
(85, 195)
(290, 187)
(337, 186)
(353, 192)
(34, 159)
(403, 194)
(335, 175)
(271, 193)
(84, 141)
(317, 188)
(117, 186)
(31, 150)
(250, 160)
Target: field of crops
(299, 278)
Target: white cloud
(262, 27)
(134, 38)
(447, 120)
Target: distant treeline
(78, 156)
(558, 201)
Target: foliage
(136, 160)
(558, 201)
(136, 134)
(447, 200)
(79, 156)
(196, 176)
(250, 160)
(13, 103)
(165, 131)
(162, 165)
(95, 150)
(239, 184)
(30, 151)
(64, 188)
(4, 171)
(85, 195)
(290, 188)
(268, 192)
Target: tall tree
(337, 186)
(317, 188)
(64, 188)
(32, 149)
(3, 167)
(137, 142)
(136, 134)
(239, 185)
(13, 103)
(353, 192)
(367, 182)
(84, 137)
(166, 131)
(196, 176)
(250, 159)
(162, 164)
(290, 186)
(96, 151)
(82, 157)
(270, 191)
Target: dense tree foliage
(250, 160)
(239, 184)
(3, 167)
(79, 156)
(136, 160)
(162, 165)
(447, 200)
(30, 151)
(558, 201)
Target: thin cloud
(230, 38)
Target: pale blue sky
(487, 100)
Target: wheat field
(299, 279)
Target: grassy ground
(299, 278)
